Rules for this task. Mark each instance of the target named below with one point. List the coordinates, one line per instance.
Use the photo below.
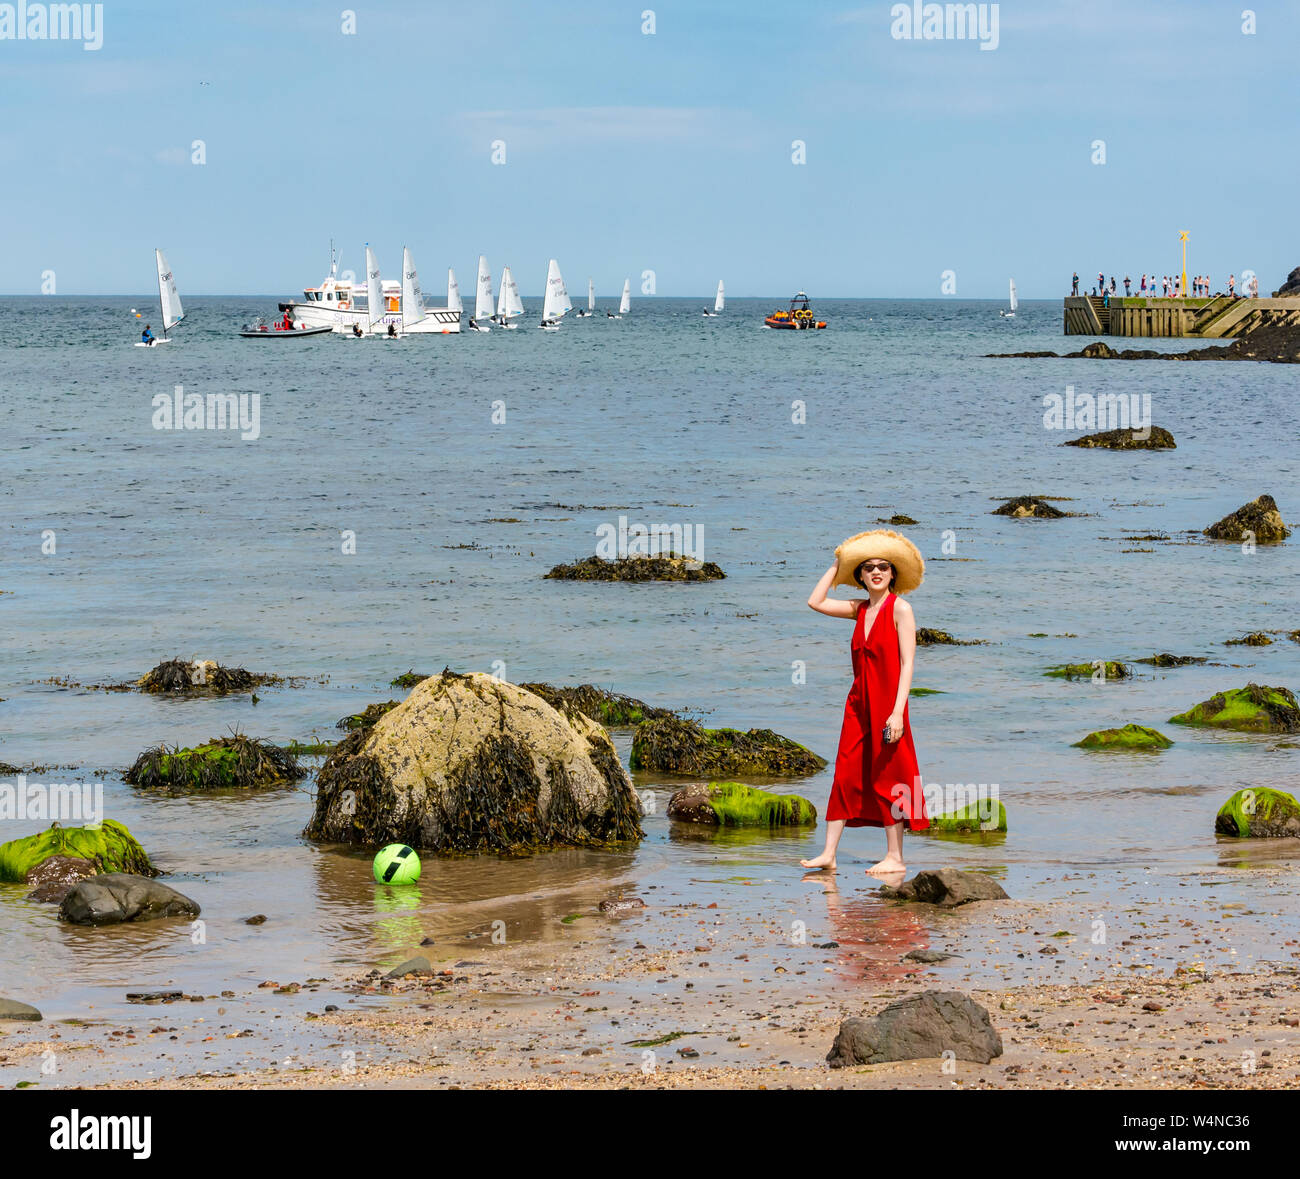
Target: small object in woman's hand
(885, 737)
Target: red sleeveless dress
(876, 784)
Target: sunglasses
(876, 566)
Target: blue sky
(669, 152)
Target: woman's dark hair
(893, 577)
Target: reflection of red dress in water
(872, 777)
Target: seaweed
(1114, 670)
(236, 761)
(199, 677)
(611, 709)
(110, 847)
(1129, 737)
(367, 717)
(674, 745)
(670, 567)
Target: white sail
(374, 289)
(514, 304)
(591, 295)
(502, 296)
(625, 303)
(170, 298)
(412, 298)
(720, 301)
(557, 301)
(1015, 302)
(453, 292)
(483, 299)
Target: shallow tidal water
(200, 544)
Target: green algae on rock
(733, 804)
(201, 677)
(366, 718)
(1254, 639)
(408, 679)
(665, 568)
(1252, 709)
(1129, 737)
(1113, 670)
(971, 819)
(1259, 813)
(470, 763)
(928, 637)
(672, 745)
(1258, 521)
(611, 709)
(1164, 659)
(224, 762)
(110, 847)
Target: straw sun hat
(882, 544)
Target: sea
(399, 502)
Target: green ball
(397, 864)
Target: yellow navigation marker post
(1182, 237)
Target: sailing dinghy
(556, 304)
(625, 303)
(1015, 303)
(169, 297)
(719, 302)
(509, 304)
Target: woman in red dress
(877, 781)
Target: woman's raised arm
(835, 607)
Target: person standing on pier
(1101, 283)
(1074, 289)
(877, 781)
(1127, 283)
(1143, 287)
(1232, 286)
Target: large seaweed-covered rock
(668, 568)
(110, 847)
(1152, 438)
(1260, 518)
(119, 896)
(671, 745)
(471, 763)
(919, 1028)
(1256, 638)
(201, 677)
(1259, 813)
(947, 887)
(1252, 709)
(611, 709)
(1029, 505)
(221, 763)
(1164, 659)
(974, 818)
(1129, 737)
(733, 804)
(929, 637)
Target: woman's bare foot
(822, 861)
(889, 866)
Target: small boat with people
(283, 329)
(625, 303)
(798, 317)
(719, 302)
(1015, 303)
(170, 300)
(556, 303)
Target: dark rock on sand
(1029, 505)
(1153, 438)
(671, 745)
(417, 965)
(472, 763)
(13, 1009)
(947, 887)
(637, 569)
(919, 1028)
(607, 708)
(1259, 813)
(118, 896)
(1167, 660)
(617, 905)
(732, 804)
(1259, 517)
(1255, 708)
(929, 955)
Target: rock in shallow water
(947, 887)
(13, 1009)
(118, 896)
(924, 1026)
(1152, 438)
(1258, 520)
(732, 804)
(1255, 708)
(1259, 813)
(671, 745)
(472, 763)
